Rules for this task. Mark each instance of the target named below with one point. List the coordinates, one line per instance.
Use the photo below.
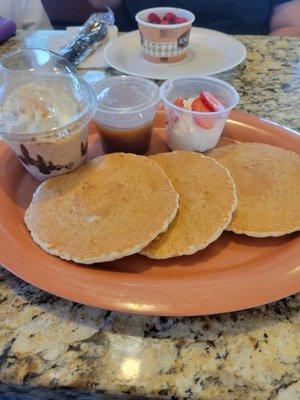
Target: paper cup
(164, 43)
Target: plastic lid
(126, 95)
(41, 94)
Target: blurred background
(63, 13)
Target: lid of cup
(126, 94)
(41, 92)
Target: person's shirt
(229, 16)
(27, 14)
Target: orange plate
(234, 273)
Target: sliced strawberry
(204, 122)
(211, 101)
(154, 18)
(180, 20)
(198, 105)
(178, 101)
(170, 17)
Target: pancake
(111, 207)
(268, 188)
(207, 201)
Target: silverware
(91, 36)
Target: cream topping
(37, 107)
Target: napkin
(95, 60)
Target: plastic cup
(164, 43)
(192, 130)
(45, 110)
(126, 109)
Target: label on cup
(183, 40)
(164, 45)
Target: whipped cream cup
(183, 130)
(45, 110)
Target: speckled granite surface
(249, 355)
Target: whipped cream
(185, 134)
(37, 107)
(187, 104)
(40, 107)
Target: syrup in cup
(126, 109)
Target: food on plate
(164, 33)
(45, 111)
(126, 109)
(111, 207)
(207, 201)
(196, 111)
(169, 18)
(267, 179)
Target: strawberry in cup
(196, 111)
(169, 18)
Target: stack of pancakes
(166, 205)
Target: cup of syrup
(126, 109)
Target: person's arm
(285, 20)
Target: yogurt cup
(182, 124)
(45, 110)
(164, 43)
(125, 113)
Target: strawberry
(210, 101)
(164, 22)
(198, 105)
(170, 17)
(154, 18)
(178, 101)
(204, 122)
(180, 20)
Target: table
(248, 355)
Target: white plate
(210, 52)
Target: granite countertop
(248, 355)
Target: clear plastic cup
(192, 130)
(126, 109)
(45, 110)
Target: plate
(209, 52)
(233, 273)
